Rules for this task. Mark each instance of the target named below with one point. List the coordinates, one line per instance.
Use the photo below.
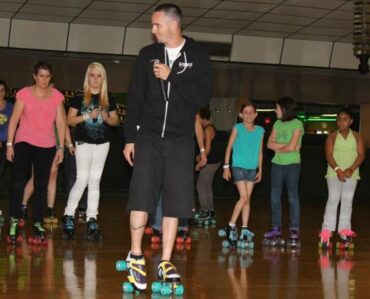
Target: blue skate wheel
(121, 266)
(221, 233)
(225, 244)
(127, 287)
(239, 244)
(166, 289)
(179, 291)
(156, 287)
(251, 245)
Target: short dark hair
(42, 65)
(3, 83)
(170, 9)
(205, 113)
(247, 104)
(289, 109)
(345, 110)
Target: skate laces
(246, 232)
(39, 227)
(13, 226)
(166, 270)
(347, 233)
(325, 235)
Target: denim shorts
(242, 174)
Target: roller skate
(273, 237)
(39, 235)
(92, 230)
(205, 218)
(81, 215)
(136, 274)
(1, 217)
(156, 237)
(346, 240)
(169, 280)
(50, 218)
(325, 242)
(183, 237)
(14, 236)
(22, 220)
(246, 239)
(231, 234)
(148, 230)
(68, 227)
(293, 241)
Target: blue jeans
(290, 175)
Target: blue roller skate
(273, 237)
(68, 227)
(136, 274)
(246, 239)
(92, 230)
(231, 234)
(169, 280)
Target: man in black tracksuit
(171, 80)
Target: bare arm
(199, 132)
(12, 127)
(260, 161)
(61, 124)
(360, 153)
(209, 135)
(227, 174)
(111, 118)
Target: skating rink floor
(84, 269)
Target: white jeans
(90, 161)
(343, 192)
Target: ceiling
(323, 20)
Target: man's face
(161, 27)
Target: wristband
(70, 145)
(226, 166)
(86, 116)
(9, 144)
(60, 148)
(336, 168)
(202, 150)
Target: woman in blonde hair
(92, 113)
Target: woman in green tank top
(345, 152)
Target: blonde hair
(103, 93)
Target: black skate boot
(231, 234)
(50, 218)
(14, 235)
(39, 235)
(183, 237)
(22, 220)
(92, 230)
(68, 227)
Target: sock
(232, 225)
(136, 257)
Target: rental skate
(231, 234)
(68, 227)
(92, 230)
(246, 239)
(39, 235)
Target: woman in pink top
(37, 110)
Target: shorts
(167, 166)
(242, 174)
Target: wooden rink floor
(82, 269)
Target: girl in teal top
(285, 140)
(246, 142)
(345, 152)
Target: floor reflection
(336, 274)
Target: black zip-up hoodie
(168, 109)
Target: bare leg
(169, 231)
(247, 206)
(52, 186)
(243, 200)
(138, 220)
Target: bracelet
(70, 145)
(9, 144)
(60, 148)
(86, 116)
(336, 168)
(226, 166)
(202, 150)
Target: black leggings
(26, 155)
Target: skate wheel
(19, 238)
(121, 265)
(221, 233)
(251, 245)
(156, 287)
(179, 291)
(127, 287)
(188, 240)
(226, 244)
(206, 223)
(155, 239)
(148, 231)
(166, 289)
(179, 240)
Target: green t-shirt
(284, 133)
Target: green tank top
(344, 153)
